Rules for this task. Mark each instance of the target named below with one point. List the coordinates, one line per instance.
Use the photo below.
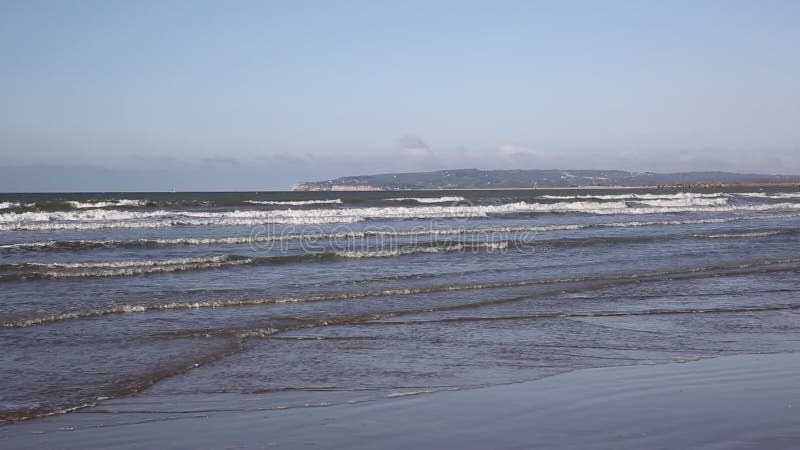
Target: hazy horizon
(114, 96)
(129, 180)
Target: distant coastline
(472, 179)
(570, 188)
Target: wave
(106, 203)
(628, 277)
(617, 208)
(562, 315)
(102, 218)
(399, 394)
(39, 271)
(436, 247)
(91, 244)
(337, 201)
(685, 202)
(26, 271)
(72, 245)
(99, 219)
(71, 205)
(755, 234)
(138, 243)
(772, 195)
(428, 199)
(9, 205)
(443, 232)
(679, 195)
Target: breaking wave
(679, 195)
(434, 233)
(435, 248)
(9, 205)
(38, 271)
(106, 203)
(685, 202)
(773, 195)
(25, 271)
(755, 234)
(337, 201)
(428, 199)
(121, 309)
(100, 218)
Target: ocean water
(280, 300)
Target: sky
(227, 95)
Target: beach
(744, 402)
(399, 225)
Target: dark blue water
(287, 299)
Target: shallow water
(308, 298)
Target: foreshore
(742, 401)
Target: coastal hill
(520, 179)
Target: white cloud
(414, 148)
(511, 153)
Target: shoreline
(745, 401)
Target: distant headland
(532, 179)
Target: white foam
(685, 209)
(117, 309)
(429, 199)
(387, 253)
(772, 195)
(408, 393)
(337, 201)
(165, 242)
(742, 235)
(685, 202)
(260, 332)
(107, 203)
(234, 240)
(101, 218)
(696, 221)
(80, 216)
(30, 244)
(444, 247)
(123, 264)
(126, 268)
(679, 195)
(9, 205)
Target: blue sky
(256, 95)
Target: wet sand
(745, 401)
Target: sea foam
(113, 268)
(9, 205)
(106, 203)
(337, 201)
(428, 199)
(110, 218)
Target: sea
(282, 300)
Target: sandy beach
(744, 401)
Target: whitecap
(429, 199)
(9, 205)
(106, 203)
(337, 201)
(102, 218)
